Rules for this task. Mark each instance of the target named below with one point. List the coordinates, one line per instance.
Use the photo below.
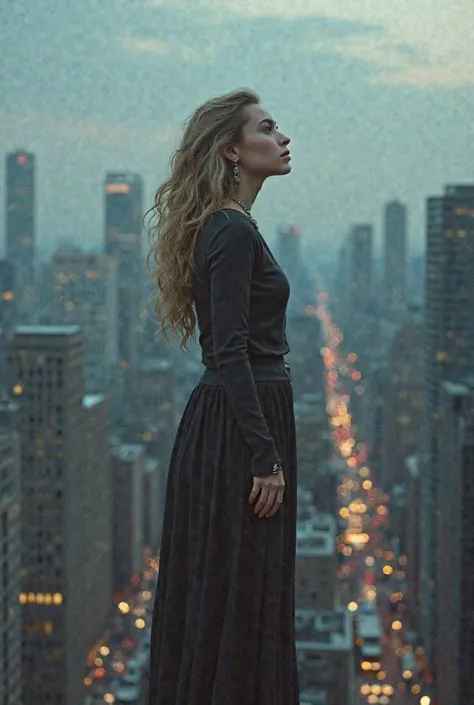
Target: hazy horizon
(378, 102)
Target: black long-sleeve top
(241, 295)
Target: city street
(371, 575)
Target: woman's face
(263, 150)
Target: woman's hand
(271, 489)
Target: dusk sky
(377, 96)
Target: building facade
(20, 228)
(123, 240)
(64, 592)
(316, 565)
(85, 292)
(127, 461)
(361, 268)
(455, 554)
(448, 356)
(413, 535)
(395, 258)
(10, 552)
(325, 653)
(402, 402)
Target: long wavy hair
(200, 182)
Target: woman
(223, 620)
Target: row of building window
(40, 598)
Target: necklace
(247, 211)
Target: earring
(236, 172)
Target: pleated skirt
(223, 617)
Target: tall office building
(85, 292)
(341, 288)
(123, 226)
(325, 655)
(123, 223)
(20, 228)
(360, 267)
(313, 437)
(448, 356)
(316, 563)
(289, 249)
(127, 468)
(288, 253)
(412, 530)
(10, 552)
(395, 255)
(304, 331)
(402, 405)
(65, 585)
(153, 491)
(154, 402)
(8, 302)
(455, 559)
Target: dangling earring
(236, 172)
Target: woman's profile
(223, 617)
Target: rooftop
(313, 697)
(459, 389)
(46, 330)
(129, 451)
(150, 465)
(324, 630)
(313, 542)
(90, 400)
(412, 465)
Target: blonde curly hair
(199, 184)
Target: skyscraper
(360, 265)
(10, 551)
(65, 542)
(123, 216)
(395, 255)
(85, 293)
(8, 300)
(289, 258)
(448, 356)
(402, 402)
(20, 227)
(128, 526)
(455, 556)
(289, 250)
(123, 224)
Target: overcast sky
(377, 96)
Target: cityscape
(373, 226)
(381, 351)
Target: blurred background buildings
(382, 344)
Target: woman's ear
(229, 153)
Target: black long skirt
(223, 617)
